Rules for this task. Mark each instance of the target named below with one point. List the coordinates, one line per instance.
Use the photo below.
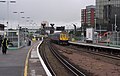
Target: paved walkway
(12, 64)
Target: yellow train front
(64, 37)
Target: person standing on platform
(4, 45)
(0, 42)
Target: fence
(115, 38)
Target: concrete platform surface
(12, 64)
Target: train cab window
(63, 36)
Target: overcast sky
(56, 11)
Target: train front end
(64, 37)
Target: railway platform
(14, 62)
(34, 65)
(104, 45)
(111, 50)
(97, 43)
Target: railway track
(107, 57)
(71, 70)
(92, 63)
(43, 55)
(68, 65)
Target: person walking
(4, 45)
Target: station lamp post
(115, 26)
(18, 27)
(95, 25)
(18, 17)
(25, 31)
(8, 2)
(115, 22)
(27, 20)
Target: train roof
(57, 33)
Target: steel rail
(68, 65)
(43, 55)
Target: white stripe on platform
(42, 62)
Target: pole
(18, 37)
(115, 29)
(18, 28)
(100, 32)
(83, 34)
(112, 35)
(7, 16)
(115, 22)
(117, 37)
(112, 28)
(19, 18)
(95, 24)
(7, 13)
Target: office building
(88, 16)
(108, 15)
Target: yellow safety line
(26, 62)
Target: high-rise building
(83, 17)
(108, 15)
(88, 16)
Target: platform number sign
(89, 33)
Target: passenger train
(59, 37)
